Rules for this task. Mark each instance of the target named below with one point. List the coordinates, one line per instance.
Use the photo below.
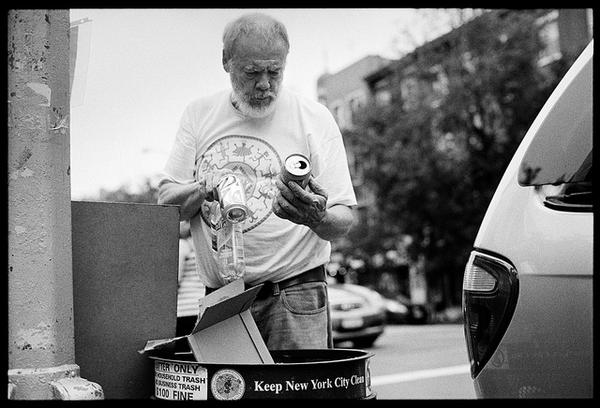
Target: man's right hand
(190, 196)
(210, 181)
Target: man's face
(256, 72)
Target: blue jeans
(294, 318)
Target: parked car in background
(358, 314)
(401, 310)
(527, 288)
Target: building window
(468, 61)
(381, 92)
(409, 88)
(439, 85)
(383, 97)
(355, 103)
(549, 34)
(339, 113)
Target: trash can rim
(364, 354)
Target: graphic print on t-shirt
(256, 162)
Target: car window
(561, 151)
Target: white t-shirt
(214, 135)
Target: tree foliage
(146, 192)
(433, 167)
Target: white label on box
(180, 381)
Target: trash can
(294, 374)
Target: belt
(316, 274)
(269, 288)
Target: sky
(145, 66)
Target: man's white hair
(260, 24)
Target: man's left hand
(298, 205)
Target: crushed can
(232, 198)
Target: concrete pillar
(41, 348)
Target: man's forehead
(256, 49)
(260, 63)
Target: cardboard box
(225, 331)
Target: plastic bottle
(230, 249)
(215, 219)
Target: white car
(358, 314)
(527, 288)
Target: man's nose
(263, 82)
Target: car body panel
(563, 135)
(522, 214)
(504, 212)
(547, 349)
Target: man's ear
(225, 62)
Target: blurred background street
(421, 362)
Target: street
(421, 362)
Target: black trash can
(295, 374)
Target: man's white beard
(248, 110)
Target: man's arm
(188, 196)
(336, 223)
(310, 208)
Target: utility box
(125, 263)
(225, 331)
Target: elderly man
(249, 130)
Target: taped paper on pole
(79, 53)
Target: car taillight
(490, 291)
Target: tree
(146, 192)
(435, 166)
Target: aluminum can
(296, 168)
(232, 198)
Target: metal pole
(41, 347)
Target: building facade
(345, 92)
(565, 33)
